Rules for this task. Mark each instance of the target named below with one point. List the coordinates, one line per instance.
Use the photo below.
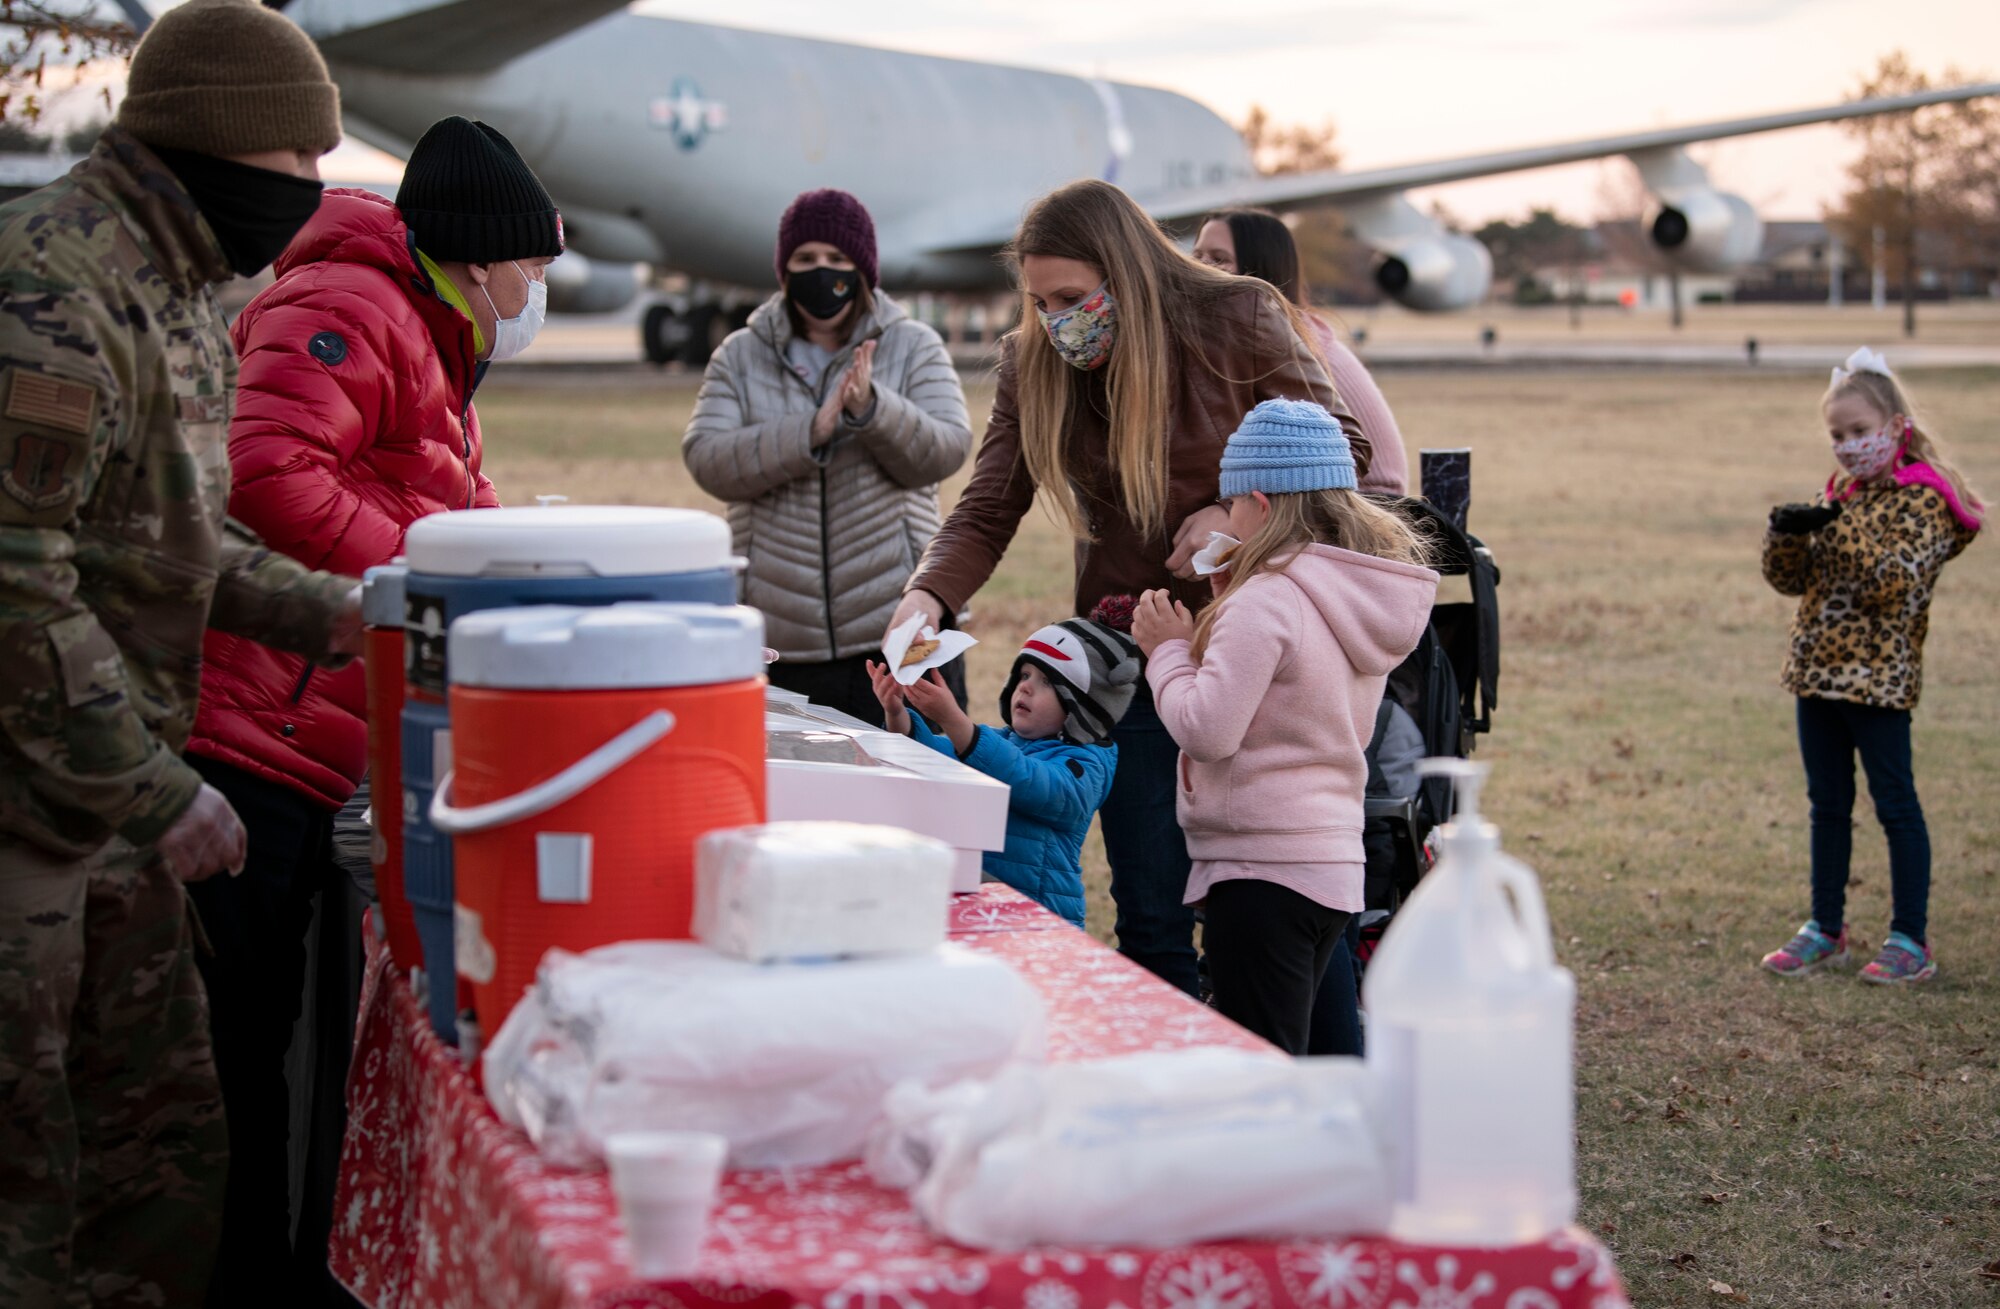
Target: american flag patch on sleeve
(51, 401)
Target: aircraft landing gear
(689, 337)
(661, 335)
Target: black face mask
(253, 212)
(823, 292)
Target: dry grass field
(1742, 1139)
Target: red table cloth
(441, 1206)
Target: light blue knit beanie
(1287, 445)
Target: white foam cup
(666, 1184)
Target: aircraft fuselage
(657, 138)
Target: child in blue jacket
(1070, 685)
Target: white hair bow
(1863, 360)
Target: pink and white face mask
(1865, 458)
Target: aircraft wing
(422, 36)
(1330, 186)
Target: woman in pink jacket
(1256, 243)
(1272, 697)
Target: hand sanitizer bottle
(1470, 1036)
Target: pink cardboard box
(824, 765)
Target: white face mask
(513, 335)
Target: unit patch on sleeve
(35, 477)
(327, 347)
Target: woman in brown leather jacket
(1133, 365)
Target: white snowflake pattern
(1123, 1265)
(429, 1249)
(1050, 1295)
(871, 1292)
(1344, 1276)
(1532, 1297)
(1589, 1262)
(1210, 1279)
(1445, 1293)
(966, 1279)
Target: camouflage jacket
(116, 384)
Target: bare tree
(1327, 255)
(1277, 148)
(1930, 170)
(41, 36)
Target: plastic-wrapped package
(1158, 1149)
(791, 1062)
(805, 890)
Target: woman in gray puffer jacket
(826, 424)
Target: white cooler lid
(576, 648)
(382, 593)
(568, 541)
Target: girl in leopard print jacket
(1864, 559)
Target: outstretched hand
(934, 700)
(889, 692)
(1192, 536)
(1159, 619)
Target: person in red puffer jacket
(354, 419)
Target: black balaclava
(254, 212)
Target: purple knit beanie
(834, 217)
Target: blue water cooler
(472, 560)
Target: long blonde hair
(1346, 519)
(1886, 394)
(1161, 295)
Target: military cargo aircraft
(678, 144)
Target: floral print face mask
(1083, 335)
(1865, 458)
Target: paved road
(612, 340)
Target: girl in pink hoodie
(1271, 697)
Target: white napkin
(950, 646)
(1208, 560)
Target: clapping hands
(854, 396)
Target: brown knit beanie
(229, 77)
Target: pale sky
(1410, 80)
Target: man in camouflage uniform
(116, 387)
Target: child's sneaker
(1902, 960)
(1807, 952)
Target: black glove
(1797, 520)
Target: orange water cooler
(382, 617)
(591, 747)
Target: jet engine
(1698, 227)
(1437, 272)
(587, 286)
(1706, 231)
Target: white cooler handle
(571, 781)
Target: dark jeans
(1831, 733)
(1268, 946)
(843, 684)
(1148, 854)
(1336, 1016)
(256, 924)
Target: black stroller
(1449, 688)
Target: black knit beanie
(469, 196)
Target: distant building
(1798, 262)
